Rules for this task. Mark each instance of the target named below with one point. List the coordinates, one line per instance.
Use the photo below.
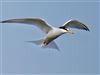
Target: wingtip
(6, 21)
(87, 29)
(3, 21)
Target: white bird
(51, 32)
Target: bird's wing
(75, 24)
(44, 26)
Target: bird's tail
(37, 42)
(50, 45)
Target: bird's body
(51, 32)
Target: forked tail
(37, 42)
(52, 44)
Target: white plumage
(51, 32)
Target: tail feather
(37, 42)
(52, 44)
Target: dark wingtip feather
(87, 29)
(2, 21)
(6, 21)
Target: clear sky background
(79, 52)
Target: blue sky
(79, 52)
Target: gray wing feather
(75, 24)
(33, 21)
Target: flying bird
(51, 32)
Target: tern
(51, 32)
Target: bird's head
(67, 30)
(63, 28)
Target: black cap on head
(62, 27)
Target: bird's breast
(53, 34)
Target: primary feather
(75, 24)
(33, 21)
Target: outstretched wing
(32, 21)
(75, 24)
